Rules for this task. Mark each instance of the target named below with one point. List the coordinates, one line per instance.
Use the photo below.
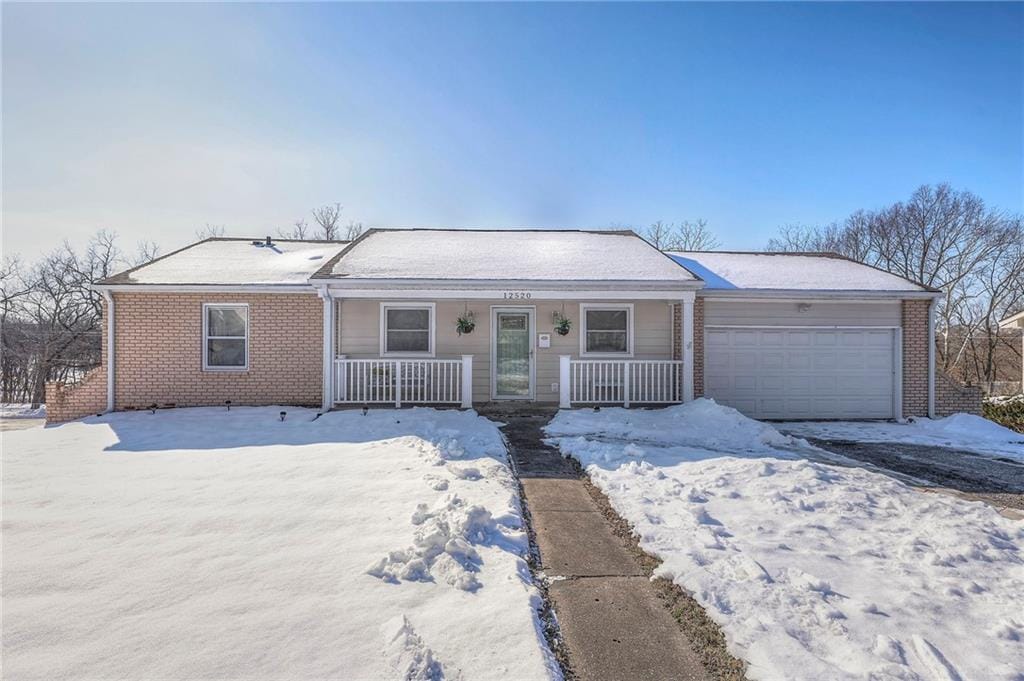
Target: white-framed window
(225, 336)
(606, 330)
(407, 329)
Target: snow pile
(815, 571)
(1005, 399)
(702, 424)
(959, 431)
(205, 543)
(442, 546)
(10, 410)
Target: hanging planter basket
(562, 324)
(465, 323)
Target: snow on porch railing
(404, 381)
(617, 381)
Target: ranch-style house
(560, 317)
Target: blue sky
(155, 119)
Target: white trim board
(206, 288)
(799, 296)
(499, 294)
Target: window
(407, 329)
(226, 337)
(607, 330)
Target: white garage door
(794, 373)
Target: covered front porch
(556, 348)
(466, 317)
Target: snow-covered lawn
(201, 543)
(813, 571)
(12, 410)
(960, 431)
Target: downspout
(328, 347)
(108, 296)
(931, 357)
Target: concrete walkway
(612, 621)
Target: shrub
(1006, 411)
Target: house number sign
(517, 295)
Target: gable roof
(233, 262)
(734, 271)
(446, 255)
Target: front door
(512, 354)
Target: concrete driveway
(993, 480)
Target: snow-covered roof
(235, 262)
(723, 271)
(518, 255)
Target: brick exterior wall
(915, 357)
(66, 402)
(698, 342)
(951, 397)
(75, 400)
(158, 354)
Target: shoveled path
(612, 621)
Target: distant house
(462, 317)
(1017, 322)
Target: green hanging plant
(465, 323)
(562, 324)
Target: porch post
(564, 376)
(328, 341)
(467, 381)
(687, 322)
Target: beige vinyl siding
(359, 333)
(767, 313)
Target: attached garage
(803, 373)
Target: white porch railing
(615, 381)
(403, 381)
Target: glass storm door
(512, 355)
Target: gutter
(207, 288)
(110, 349)
(784, 295)
(353, 283)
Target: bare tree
(353, 230)
(145, 251)
(660, 235)
(695, 236)
(686, 236)
(945, 239)
(299, 231)
(209, 231)
(51, 315)
(328, 219)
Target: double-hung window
(407, 329)
(226, 336)
(607, 330)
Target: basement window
(225, 337)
